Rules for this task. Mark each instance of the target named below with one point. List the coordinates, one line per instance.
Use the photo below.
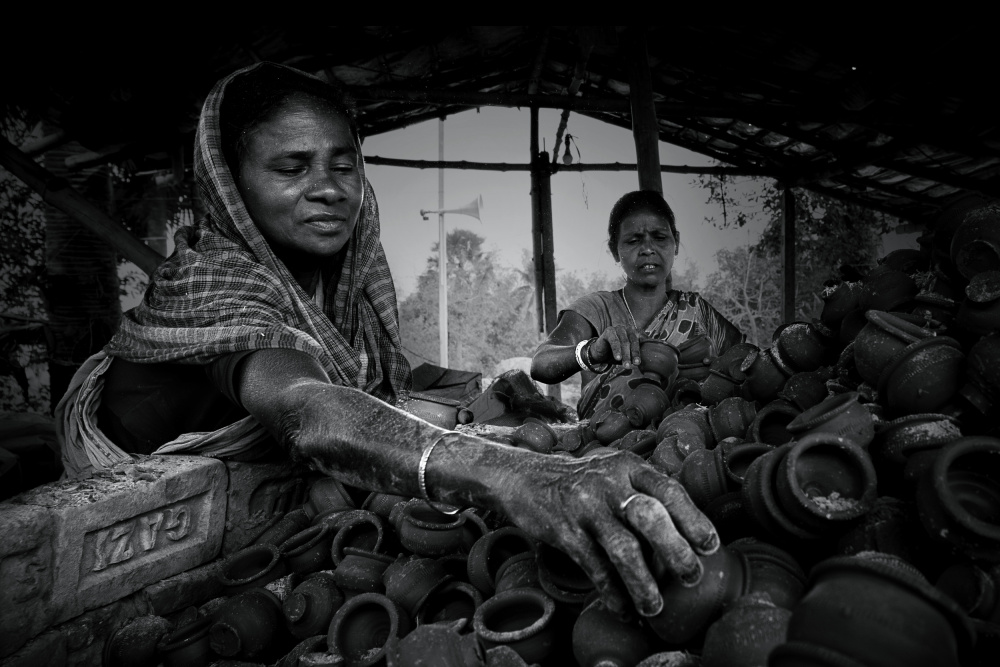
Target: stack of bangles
(583, 357)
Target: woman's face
(301, 182)
(646, 248)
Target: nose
(326, 188)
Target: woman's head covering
(224, 290)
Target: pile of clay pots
(852, 469)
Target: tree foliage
(832, 238)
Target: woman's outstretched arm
(572, 504)
(555, 359)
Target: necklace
(634, 325)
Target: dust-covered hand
(600, 510)
(618, 344)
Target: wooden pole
(57, 192)
(536, 224)
(645, 127)
(442, 260)
(576, 166)
(544, 172)
(788, 256)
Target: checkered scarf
(223, 290)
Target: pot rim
(827, 409)
(892, 323)
(867, 469)
(786, 526)
(938, 470)
(275, 554)
(529, 595)
(321, 530)
(908, 351)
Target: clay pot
(452, 601)
(982, 374)
(824, 481)
(667, 456)
(311, 605)
(878, 611)
(440, 644)
(409, 579)
(907, 260)
(841, 415)
(136, 643)
(958, 496)
(761, 502)
(361, 530)
(561, 577)
(363, 626)
(765, 378)
(684, 392)
(896, 440)
(518, 571)
(887, 289)
(427, 532)
(254, 566)
(703, 476)
(284, 527)
(688, 610)
(718, 386)
(739, 457)
(645, 404)
(535, 435)
(804, 390)
(730, 363)
(309, 550)
(838, 301)
(802, 346)
(976, 590)
(641, 443)
(979, 312)
(473, 528)
(659, 361)
(327, 494)
(882, 338)
(611, 426)
(770, 426)
(923, 377)
(731, 418)
(522, 619)
(729, 517)
(491, 551)
(745, 635)
(360, 571)
(382, 503)
(605, 639)
(852, 326)
(692, 428)
(975, 247)
(246, 624)
(773, 571)
(188, 645)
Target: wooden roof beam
(577, 166)
(58, 192)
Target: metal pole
(442, 259)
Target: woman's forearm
(554, 363)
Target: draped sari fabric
(684, 316)
(223, 290)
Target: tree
(829, 236)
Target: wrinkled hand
(618, 344)
(599, 510)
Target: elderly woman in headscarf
(275, 321)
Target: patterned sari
(685, 316)
(222, 291)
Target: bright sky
(581, 201)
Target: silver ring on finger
(624, 506)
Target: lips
(326, 222)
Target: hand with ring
(601, 510)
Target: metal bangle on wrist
(583, 357)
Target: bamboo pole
(548, 251)
(576, 166)
(645, 127)
(788, 256)
(536, 225)
(57, 192)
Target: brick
(187, 589)
(46, 650)
(27, 565)
(258, 493)
(129, 527)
